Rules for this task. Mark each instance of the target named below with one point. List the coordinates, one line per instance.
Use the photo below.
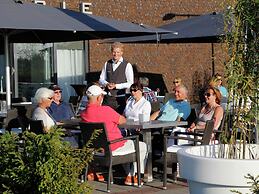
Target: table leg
(148, 176)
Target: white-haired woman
(43, 98)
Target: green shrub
(41, 164)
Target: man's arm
(102, 79)
(155, 115)
(122, 120)
(129, 76)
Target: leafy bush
(41, 164)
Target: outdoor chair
(155, 106)
(11, 114)
(19, 99)
(36, 126)
(104, 157)
(170, 154)
(167, 97)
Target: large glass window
(38, 65)
(34, 68)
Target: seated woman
(136, 104)
(43, 98)
(216, 82)
(211, 110)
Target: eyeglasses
(58, 92)
(208, 94)
(133, 90)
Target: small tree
(242, 70)
(42, 164)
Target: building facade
(193, 63)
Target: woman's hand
(191, 128)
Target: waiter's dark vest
(118, 76)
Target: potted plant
(222, 168)
(41, 164)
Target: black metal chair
(167, 97)
(170, 158)
(36, 126)
(105, 158)
(155, 106)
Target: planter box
(207, 174)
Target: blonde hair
(117, 45)
(177, 79)
(214, 80)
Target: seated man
(174, 108)
(95, 112)
(59, 109)
(147, 92)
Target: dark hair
(217, 93)
(136, 86)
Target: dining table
(146, 129)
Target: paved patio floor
(179, 187)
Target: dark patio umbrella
(198, 29)
(31, 23)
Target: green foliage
(254, 182)
(242, 68)
(41, 164)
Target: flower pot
(207, 174)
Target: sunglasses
(50, 98)
(58, 92)
(133, 90)
(176, 82)
(208, 94)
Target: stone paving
(179, 187)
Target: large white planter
(210, 175)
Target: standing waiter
(117, 77)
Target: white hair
(184, 89)
(43, 93)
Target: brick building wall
(191, 62)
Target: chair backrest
(192, 117)
(72, 108)
(207, 132)
(30, 108)
(168, 96)
(221, 127)
(19, 99)
(101, 140)
(11, 114)
(155, 106)
(74, 100)
(36, 126)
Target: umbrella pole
(7, 68)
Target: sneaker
(128, 180)
(90, 176)
(135, 180)
(99, 177)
